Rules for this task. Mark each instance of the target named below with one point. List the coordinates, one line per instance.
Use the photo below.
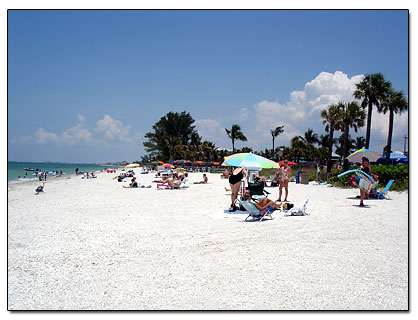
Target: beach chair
(299, 211)
(383, 194)
(257, 190)
(254, 212)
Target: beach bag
(353, 181)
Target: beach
(90, 244)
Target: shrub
(399, 173)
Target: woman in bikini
(235, 183)
(284, 182)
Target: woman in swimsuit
(235, 182)
(284, 182)
(366, 167)
(263, 203)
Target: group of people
(235, 177)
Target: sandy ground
(93, 245)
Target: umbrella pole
(242, 189)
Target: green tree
(394, 103)
(359, 143)
(274, 133)
(235, 134)
(372, 90)
(330, 118)
(310, 137)
(351, 116)
(298, 147)
(173, 143)
(171, 125)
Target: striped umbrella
(250, 161)
(359, 154)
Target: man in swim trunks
(284, 181)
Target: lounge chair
(383, 194)
(299, 211)
(254, 212)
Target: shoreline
(89, 244)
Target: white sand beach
(93, 245)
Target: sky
(86, 86)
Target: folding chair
(299, 211)
(254, 212)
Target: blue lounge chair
(254, 212)
(383, 194)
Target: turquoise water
(16, 169)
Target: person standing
(76, 171)
(235, 183)
(284, 181)
(366, 168)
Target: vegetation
(372, 90)
(399, 173)
(235, 134)
(395, 102)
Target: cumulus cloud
(42, 137)
(113, 129)
(77, 134)
(211, 130)
(106, 130)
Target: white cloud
(113, 130)
(42, 137)
(212, 130)
(77, 134)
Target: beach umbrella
(132, 165)
(289, 163)
(216, 164)
(359, 154)
(168, 165)
(250, 161)
(394, 158)
(199, 162)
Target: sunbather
(171, 183)
(133, 184)
(39, 189)
(205, 180)
(263, 203)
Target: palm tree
(235, 134)
(310, 137)
(173, 143)
(274, 133)
(395, 103)
(359, 143)
(330, 117)
(298, 147)
(372, 91)
(351, 115)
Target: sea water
(16, 172)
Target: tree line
(174, 136)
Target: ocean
(16, 172)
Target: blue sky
(85, 86)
